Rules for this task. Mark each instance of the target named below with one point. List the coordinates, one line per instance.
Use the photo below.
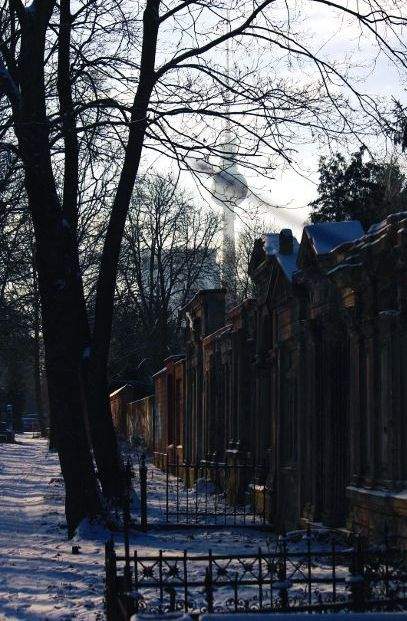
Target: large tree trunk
(61, 308)
(101, 428)
(66, 404)
(103, 435)
(101, 425)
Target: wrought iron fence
(306, 571)
(213, 493)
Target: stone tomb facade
(169, 410)
(308, 377)
(371, 277)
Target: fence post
(333, 552)
(173, 596)
(235, 591)
(387, 560)
(282, 572)
(260, 580)
(357, 578)
(160, 579)
(185, 567)
(309, 565)
(187, 484)
(111, 579)
(209, 584)
(177, 485)
(143, 494)
(264, 479)
(126, 526)
(136, 582)
(167, 483)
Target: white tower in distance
(229, 189)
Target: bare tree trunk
(102, 433)
(101, 425)
(61, 308)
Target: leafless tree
(67, 70)
(169, 252)
(20, 311)
(252, 230)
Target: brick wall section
(141, 422)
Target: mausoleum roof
(325, 236)
(288, 262)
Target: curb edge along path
(40, 579)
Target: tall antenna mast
(229, 186)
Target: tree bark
(101, 429)
(102, 433)
(57, 277)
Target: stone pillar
(238, 479)
(206, 397)
(212, 401)
(356, 403)
(316, 405)
(270, 455)
(336, 436)
(401, 266)
(372, 384)
(199, 427)
(263, 380)
(388, 454)
(370, 396)
(304, 412)
(262, 408)
(228, 412)
(397, 435)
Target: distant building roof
(325, 236)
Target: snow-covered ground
(250, 547)
(40, 578)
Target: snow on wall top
(325, 236)
(116, 392)
(288, 262)
(394, 217)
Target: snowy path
(40, 579)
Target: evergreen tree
(357, 190)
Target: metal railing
(310, 571)
(212, 493)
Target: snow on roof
(160, 372)
(271, 243)
(288, 262)
(219, 332)
(375, 228)
(394, 217)
(325, 236)
(115, 392)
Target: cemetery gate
(208, 493)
